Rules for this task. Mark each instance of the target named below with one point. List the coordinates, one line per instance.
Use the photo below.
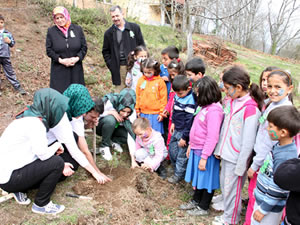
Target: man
(120, 39)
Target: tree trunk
(190, 50)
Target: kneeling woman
(26, 161)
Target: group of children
(250, 132)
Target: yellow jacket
(151, 95)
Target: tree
(280, 25)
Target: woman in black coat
(66, 46)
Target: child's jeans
(178, 154)
(9, 72)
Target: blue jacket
(164, 73)
(268, 196)
(183, 114)
(4, 47)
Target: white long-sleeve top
(63, 133)
(22, 142)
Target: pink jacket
(156, 142)
(205, 130)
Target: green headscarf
(49, 105)
(80, 100)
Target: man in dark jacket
(119, 40)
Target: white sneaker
(218, 206)
(117, 147)
(105, 152)
(217, 198)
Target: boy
(167, 55)
(6, 41)
(284, 124)
(150, 148)
(195, 69)
(182, 119)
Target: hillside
(133, 197)
(29, 23)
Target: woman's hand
(68, 169)
(202, 164)
(101, 178)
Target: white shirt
(63, 133)
(78, 126)
(22, 142)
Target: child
(182, 119)
(7, 41)
(284, 124)
(237, 139)
(263, 80)
(203, 167)
(175, 67)
(279, 87)
(151, 94)
(167, 55)
(195, 69)
(134, 66)
(287, 177)
(150, 147)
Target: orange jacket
(152, 97)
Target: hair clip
(132, 53)
(178, 60)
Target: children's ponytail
(257, 94)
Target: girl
(263, 80)
(175, 67)
(237, 139)
(150, 147)
(134, 66)
(279, 88)
(151, 94)
(203, 167)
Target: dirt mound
(132, 197)
(214, 52)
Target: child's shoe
(21, 91)
(218, 206)
(105, 152)
(174, 179)
(117, 147)
(21, 198)
(50, 208)
(162, 172)
(190, 205)
(197, 212)
(217, 198)
(218, 220)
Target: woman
(66, 46)
(80, 102)
(26, 161)
(114, 124)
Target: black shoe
(162, 172)
(21, 91)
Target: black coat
(287, 177)
(110, 50)
(58, 46)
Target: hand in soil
(134, 164)
(147, 167)
(101, 178)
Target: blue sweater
(183, 114)
(4, 47)
(268, 195)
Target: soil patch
(134, 196)
(214, 52)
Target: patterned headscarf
(49, 105)
(62, 10)
(80, 100)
